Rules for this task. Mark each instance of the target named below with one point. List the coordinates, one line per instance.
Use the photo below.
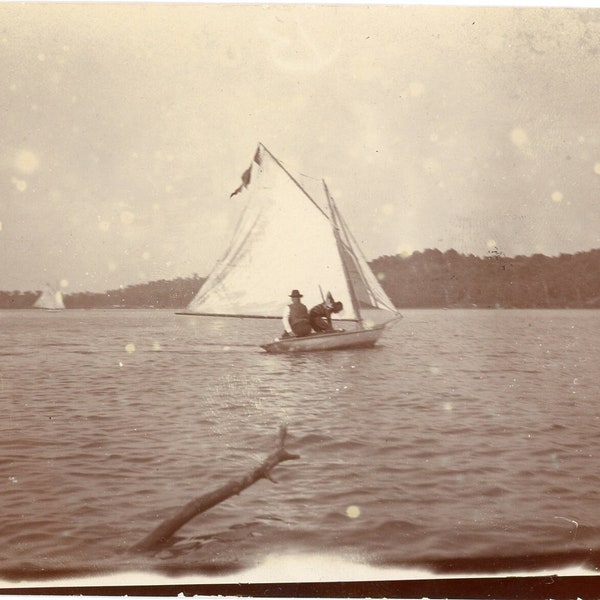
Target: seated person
(320, 315)
(295, 317)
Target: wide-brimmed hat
(296, 294)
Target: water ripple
(465, 435)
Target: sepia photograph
(298, 294)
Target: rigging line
(298, 172)
(294, 180)
(304, 174)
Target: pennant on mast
(247, 174)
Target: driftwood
(166, 529)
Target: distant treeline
(175, 293)
(432, 279)
(429, 279)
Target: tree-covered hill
(434, 279)
(429, 279)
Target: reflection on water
(464, 435)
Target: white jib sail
(50, 299)
(283, 242)
(366, 286)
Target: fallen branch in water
(164, 531)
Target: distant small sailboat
(288, 238)
(50, 299)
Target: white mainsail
(50, 299)
(284, 241)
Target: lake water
(467, 440)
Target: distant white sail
(285, 240)
(50, 299)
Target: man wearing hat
(295, 317)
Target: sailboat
(50, 299)
(288, 238)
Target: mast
(338, 241)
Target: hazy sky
(124, 128)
